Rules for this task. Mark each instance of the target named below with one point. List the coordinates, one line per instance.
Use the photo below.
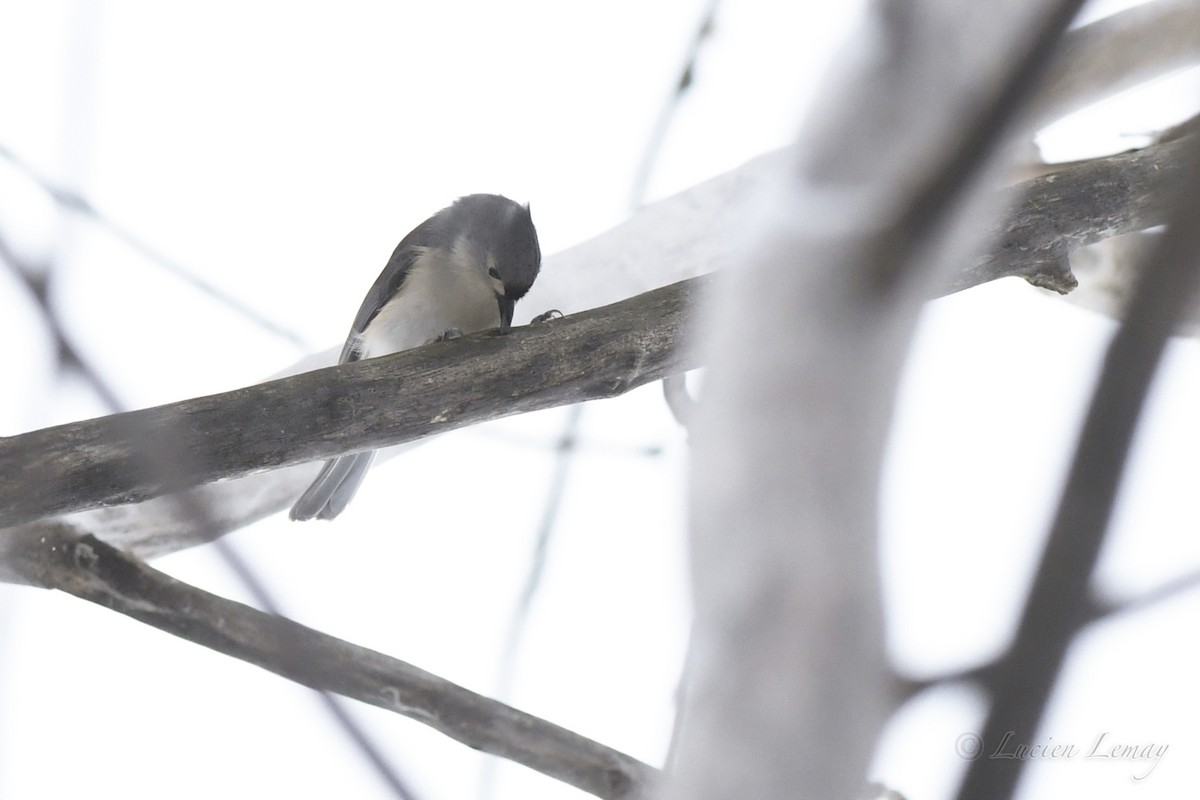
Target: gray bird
(460, 271)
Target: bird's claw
(448, 334)
(553, 313)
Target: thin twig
(666, 114)
(1098, 611)
(674, 386)
(513, 438)
(1164, 593)
(565, 451)
(77, 203)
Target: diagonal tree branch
(73, 201)
(444, 386)
(90, 569)
(599, 353)
(1059, 602)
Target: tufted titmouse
(460, 271)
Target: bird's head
(505, 246)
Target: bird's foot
(553, 313)
(448, 334)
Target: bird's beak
(507, 305)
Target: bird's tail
(330, 493)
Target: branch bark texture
(92, 570)
(1079, 205)
(383, 401)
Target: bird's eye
(495, 273)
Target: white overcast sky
(280, 150)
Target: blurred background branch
(1117, 53)
(788, 680)
(76, 203)
(1060, 602)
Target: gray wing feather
(394, 274)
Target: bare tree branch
(90, 569)
(1077, 206)
(603, 352)
(1059, 603)
(1108, 270)
(444, 386)
(666, 114)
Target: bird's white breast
(443, 290)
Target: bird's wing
(384, 289)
